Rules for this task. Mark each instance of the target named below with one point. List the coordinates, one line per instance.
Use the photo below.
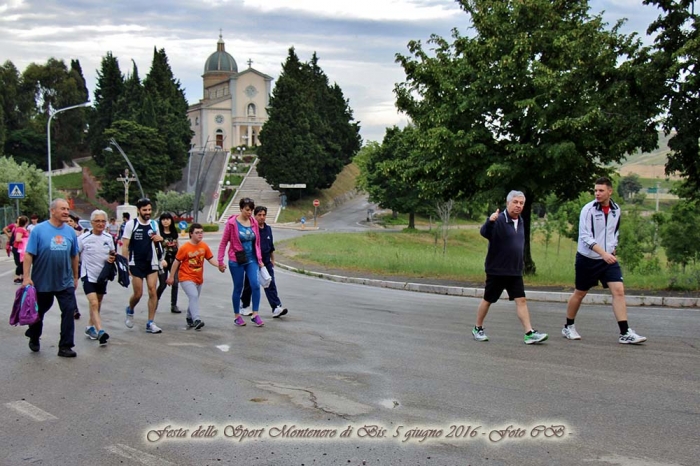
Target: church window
(251, 110)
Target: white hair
(97, 212)
(514, 194)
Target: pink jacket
(231, 238)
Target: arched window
(219, 138)
(251, 110)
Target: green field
(417, 254)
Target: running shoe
(239, 321)
(535, 337)
(479, 335)
(569, 332)
(198, 324)
(103, 337)
(257, 321)
(129, 322)
(631, 338)
(246, 311)
(279, 311)
(91, 333)
(153, 328)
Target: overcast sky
(356, 40)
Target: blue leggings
(238, 274)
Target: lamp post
(48, 139)
(128, 162)
(241, 149)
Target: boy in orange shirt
(189, 267)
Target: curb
(543, 296)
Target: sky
(356, 40)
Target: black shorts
(141, 271)
(89, 287)
(591, 271)
(495, 284)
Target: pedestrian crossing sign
(15, 190)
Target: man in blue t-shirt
(51, 265)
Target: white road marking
(224, 348)
(133, 454)
(30, 410)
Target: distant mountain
(648, 164)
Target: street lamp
(48, 138)
(241, 149)
(128, 162)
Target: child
(189, 268)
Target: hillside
(648, 164)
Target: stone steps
(256, 188)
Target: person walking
(598, 235)
(188, 268)
(96, 249)
(267, 248)
(169, 232)
(20, 236)
(34, 219)
(504, 266)
(244, 257)
(51, 266)
(139, 242)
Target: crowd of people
(149, 253)
(52, 256)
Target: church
(234, 104)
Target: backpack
(25, 309)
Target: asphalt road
(378, 376)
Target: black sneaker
(190, 322)
(76, 316)
(102, 337)
(175, 310)
(66, 353)
(198, 324)
(34, 345)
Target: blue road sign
(15, 190)
(183, 225)
(303, 220)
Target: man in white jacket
(599, 230)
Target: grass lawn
(416, 254)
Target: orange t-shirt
(192, 259)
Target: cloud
(356, 41)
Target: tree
(177, 203)
(680, 235)
(629, 186)
(383, 169)
(309, 136)
(676, 62)
(144, 147)
(540, 98)
(164, 93)
(108, 89)
(36, 186)
(23, 138)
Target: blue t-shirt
(247, 237)
(52, 249)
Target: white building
(234, 107)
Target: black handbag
(241, 257)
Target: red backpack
(25, 309)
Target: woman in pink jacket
(244, 258)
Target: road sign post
(16, 191)
(316, 204)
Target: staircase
(256, 188)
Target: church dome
(220, 60)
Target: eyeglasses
(99, 221)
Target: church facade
(234, 104)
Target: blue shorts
(495, 284)
(89, 287)
(591, 271)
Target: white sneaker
(570, 333)
(479, 334)
(279, 311)
(153, 328)
(631, 338)
(246, 311)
